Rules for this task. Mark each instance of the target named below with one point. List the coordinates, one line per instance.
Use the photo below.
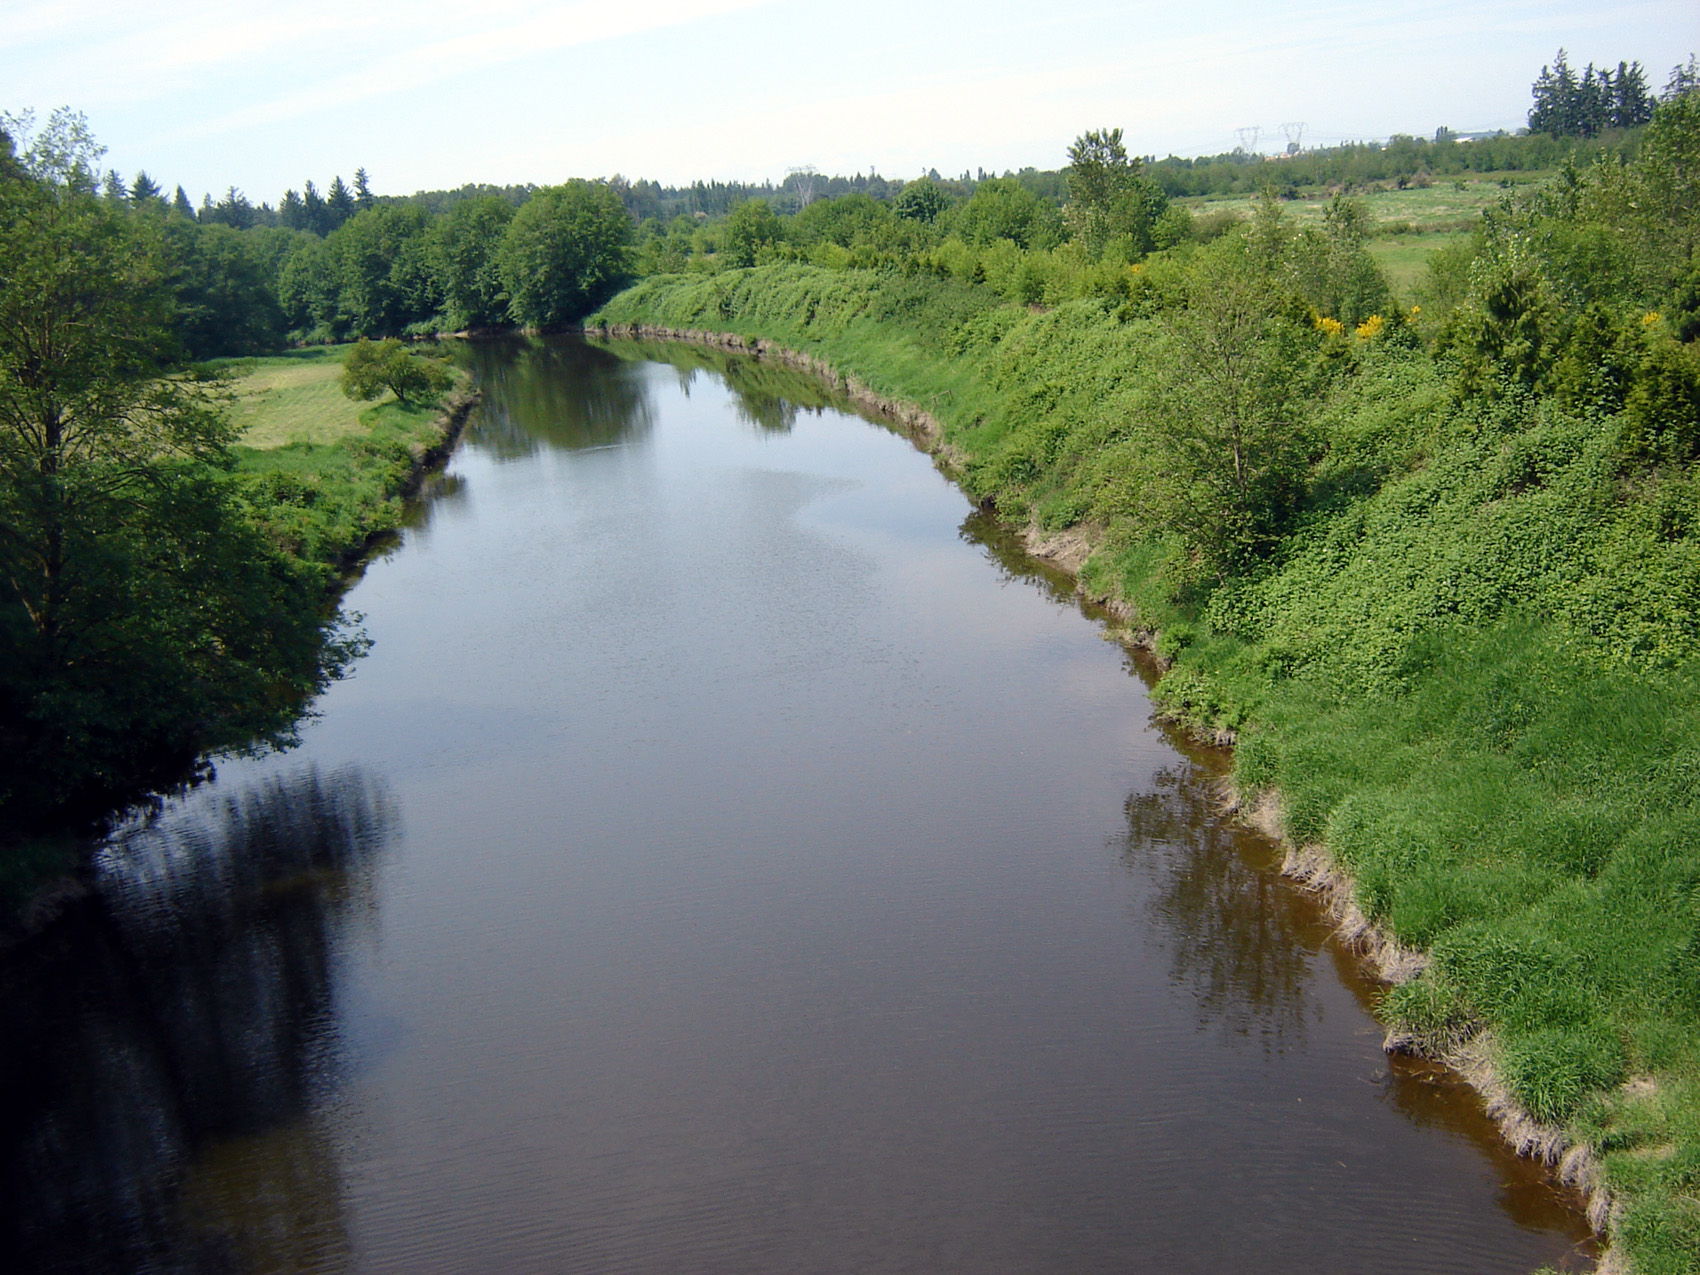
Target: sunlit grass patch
(295, 397)
(1404, 258)
(324, 500)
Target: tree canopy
(565, 251)
(1109, 194)
(143, 616)
(372, 367)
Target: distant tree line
(1402, 160)
(346, 262)
(1568, 104)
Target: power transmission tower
(1248, 136)
(1295, 134)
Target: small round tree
(375, 366)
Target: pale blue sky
(429, 94)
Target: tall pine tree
(317, 215)
(1568, 105)
(339, 202)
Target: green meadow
(292, 397)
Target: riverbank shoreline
(427, 459)
(1309, 867)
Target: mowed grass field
(295, 397)
(325, 473)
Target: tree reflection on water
(183, 1012)
(1238, 936)
(573, 394)
(1241, 938)
(766, 394)
(555, 392)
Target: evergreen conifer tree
(1555, 92)
(339, 202)
(1633, 104)
(313, 203)
(1683, 79)
(291, 212)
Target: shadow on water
(184, 1010)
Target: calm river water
(731, 857)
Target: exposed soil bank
(1310, 867)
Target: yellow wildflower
(1329, 327)
(1650, 318)
(1371, 327)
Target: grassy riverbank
(324, 474)
(1465, 659)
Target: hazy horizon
(209, 96)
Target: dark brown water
(732, 857)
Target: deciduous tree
(1226, 418)
(464, 246)
(142, 616)
(921, 200)
(372, 367)
(564, 252)
(1110, 196)
(752, 229)
(1002, 208)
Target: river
(732, 856)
